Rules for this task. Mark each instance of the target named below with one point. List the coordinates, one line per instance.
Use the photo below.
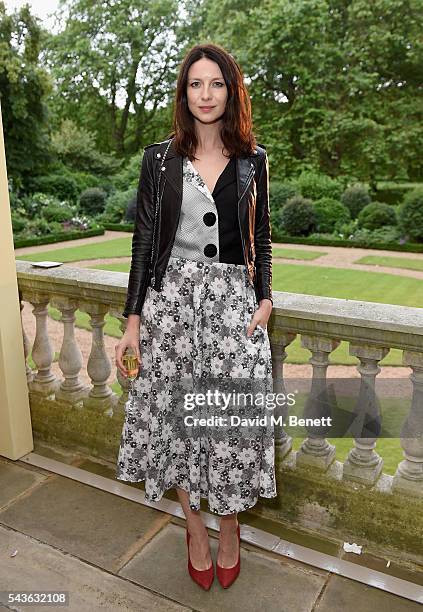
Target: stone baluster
(71, 389)
(409, 475)
(363, 464)
(101, 396)
(315, 449)
(44, 382)
(279, 340)
(26, 345)
(124, 382)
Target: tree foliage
(24, 85)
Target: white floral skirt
(178, 430)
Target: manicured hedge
(411, 247)
(119, 227)
(57, 237)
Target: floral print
(194, 177)
(193, 338)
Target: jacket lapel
(174, 170)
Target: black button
(209, 218)
(210, 250)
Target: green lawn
(392, 262)
(297, 253)
(335, 282)
(377, 287)
(118, 247)
(121, 247)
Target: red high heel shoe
(202, 577)
(227, 575)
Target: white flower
(171, 290)
(230, 317)
(168, 367)
(177, 446)
(182, 345)
(247, 455)
(218, 285)
(222, 450)
(235, 503)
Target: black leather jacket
(157, 221)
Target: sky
(40, 8)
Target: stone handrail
(371, 329)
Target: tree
(114, 66)
(334, 83)
(24, 86)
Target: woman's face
(206, 90)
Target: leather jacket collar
(244, 168)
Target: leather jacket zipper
(157, 243)
(154, 256)
(250, 176)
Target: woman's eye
(220, 84)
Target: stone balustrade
(371, 330)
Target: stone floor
(111, 553)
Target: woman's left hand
(261, 316)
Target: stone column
(316, 450)
(363, 464)
(101, 396)
(26, 345)
(71, 388)
(44, 382)
(409, 475)
(279, 340)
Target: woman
(199, 299)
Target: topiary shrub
(120, 206)
(355, 198)
(298, 217)
(92, 201)
(280, 193)
(410, 215)
(377, 214)
(330, 214)
(317, 186)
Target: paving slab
(344, 594)
(262, 584)
(15, 480)
(40, 567)
(89, 523)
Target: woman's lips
(206, 108)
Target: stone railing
(68, 411)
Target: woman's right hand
(130, 339)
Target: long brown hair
(236, 132)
